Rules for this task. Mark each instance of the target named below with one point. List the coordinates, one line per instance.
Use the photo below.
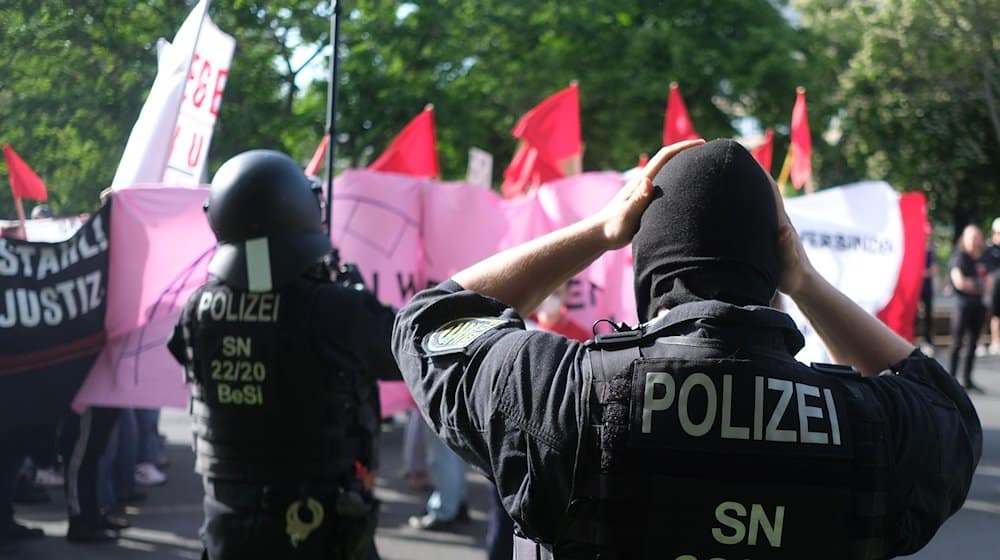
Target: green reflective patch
(457, 334)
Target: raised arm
(853, 336)
(523, 276)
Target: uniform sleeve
(505, 399)
(354, 329)
(936, 441)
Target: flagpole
(20, 217)
(331, 110)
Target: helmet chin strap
(258, 257)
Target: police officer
(280, 361)
(696, 435)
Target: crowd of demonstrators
(290, 475)
(967, 274)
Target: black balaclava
(710, 233)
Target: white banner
(854, 238)
(480, 171)
(190, 70)
(200, 107)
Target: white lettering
(773, 433)
(702, 428)
(758, 408)
(806, 412)
(759, 520)
(739, 530)
(651, 403)
(25, 251)
(730, 514)
(9, 318)
(48, 262)
(728, 430)
(28, 310)
(834, 423)
(8, 262)
(53, 313)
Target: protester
(284, 395)
(968, 278)
(13, 449)
(927, 298)
(991, 258)
(447, 506)
(664, 476)
(149, 456)
(89, 434)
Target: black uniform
(698, 437)
(285, 405)
(969, 313)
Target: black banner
(52, 302)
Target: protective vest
(266, 407)
(698, 450)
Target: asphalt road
(166, 525)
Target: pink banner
(407, 234)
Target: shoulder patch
(457, 334)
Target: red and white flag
(869, 241)
(170, 139)
(414, 150)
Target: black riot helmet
(267, 221)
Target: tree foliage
(918, 83)
(79, 72)
(483, 63)
(904, 91)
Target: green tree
(75, 75)
(483, 63)
(918, 86)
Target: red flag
(549, 133)
(900, 312)
(414, 150)
(677, 125)
(801, 141)
(764, 152)
(24, 182)
(316, 163)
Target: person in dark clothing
(87, 436)
(282, 361)
(696, 434)
(13, 449)
(927, 298)
(968, 278)
(991, 258)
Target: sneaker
(49, 477)
(146, 474)
(431, 521)
(980, 350)
(994, 349)
(927, 349)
